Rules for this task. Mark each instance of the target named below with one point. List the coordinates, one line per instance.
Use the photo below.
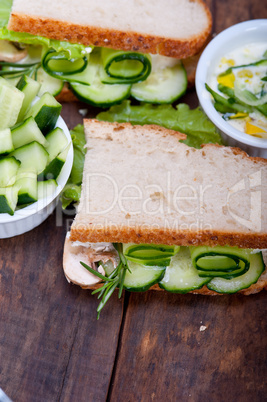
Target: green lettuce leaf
(196, 125)
(71, 193)
(193, 122)
(72, 190)
(5, 9)
(72, 50)
(78, 140)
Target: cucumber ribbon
(225, 262)
(248, 97)
(150, 254)
(115, 67)
(122, 67)
(59, 65)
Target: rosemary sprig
(112, 281)
(17, 70)
(17, 65)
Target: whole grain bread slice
(176, 29)
(142, 185)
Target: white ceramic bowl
(28, 218)
(225, 42)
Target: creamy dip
(244, 78)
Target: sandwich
(106, 52)
(157, 214)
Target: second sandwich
(107, 51)
(155, 213)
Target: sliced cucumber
(11, 100)
(94, 91)
(142, 277)
(26, 132)
(57, 142)
(30, 88)
(33, 157)
(45, 111)
(46, 188)
(27, 185)
(102, 95)
(8, 200)
(49, 84)
(181, 276)
(162, 86)
(54, 168)
(221, 285)
(8, 170)
(6, 144)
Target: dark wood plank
(228, 12)
(50, 342)
(165, 354)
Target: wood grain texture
(184, 347)
(50, 341)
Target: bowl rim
(204, 97)
(41, 204)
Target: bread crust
(204, 291)
(66, 95)
(257, 287)
(111, 38)
(125, 234)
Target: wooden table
(145, 347)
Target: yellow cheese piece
(238, 115)
(227, 80)
(252, 129)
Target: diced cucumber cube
(27, 185)
(33, 157)
(54, 168)
(30, 88)
(57, 142)
(8, 171)
(11, 100)
(45, 112)
(8, 200)
(26, 132)
(6, 144)
(49, 84)
(46, 188)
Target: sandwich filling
(138, 267)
